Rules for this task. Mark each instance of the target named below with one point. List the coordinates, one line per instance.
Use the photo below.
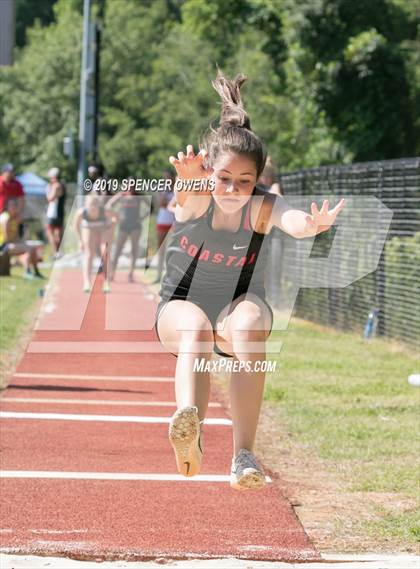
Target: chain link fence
(392, 290)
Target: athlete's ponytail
(234, 132)
(233, 112)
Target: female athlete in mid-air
(213, 289)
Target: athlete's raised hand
(321, 220)
(190, 166)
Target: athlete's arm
(52, 193)
(193, 201)
(146, 211)
(299, 224)
(110, 214)
(113, 200)
(6, 229)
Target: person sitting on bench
(11, 242)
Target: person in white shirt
(56, 195)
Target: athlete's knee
(196, 329)
(248, 342)
(250, 335)
(196, 341)
(196, 333)
(248, 321)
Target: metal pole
(81, 170)
(98, 38)
(98, 34)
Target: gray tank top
(209, 265)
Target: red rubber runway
(88, 471)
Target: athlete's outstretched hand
(190, 166)
(323, 219)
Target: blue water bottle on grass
(371, 324)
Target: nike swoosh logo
(236, 247)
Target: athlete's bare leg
(249, 322)
(57, 236)
(90, 246)
(121, 239)
(105, 258)
(15, 249)
(50, 231)
(194, 340)
(106, 240)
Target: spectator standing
(10, 188)
(56, 196)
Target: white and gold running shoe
(246, 474)
(186, 437)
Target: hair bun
(233, 112)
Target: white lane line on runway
(73, 347)
(109, 418)
(126, 347)
(94, 402)
(57, 531)
(93, 377)
(92, 347)
(115, 476)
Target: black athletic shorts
(55, 221)
(212, 310)
(128, 227)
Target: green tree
(352, 52)
(27, 11)
(133, 33)
(41, 93)
(329, 80)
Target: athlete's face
(93, 210)
(235, 176)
